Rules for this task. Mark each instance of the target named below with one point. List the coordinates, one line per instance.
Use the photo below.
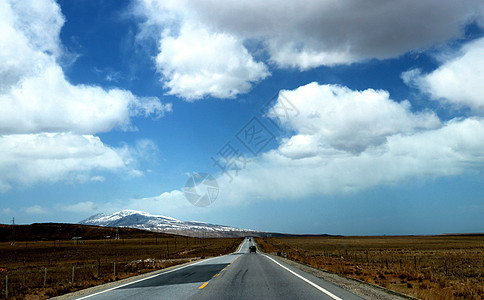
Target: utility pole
(13, 231)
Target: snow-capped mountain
(143, 220)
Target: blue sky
(328, 117)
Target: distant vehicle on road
(252, 249)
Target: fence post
(6, 286)
(45, 276)
(114, 269)
(167, 249)
(73, 267)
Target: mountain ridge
(159, 223)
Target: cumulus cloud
(47, 124)
(355, 140)
(346, 140)
(453, 149)
(458, 80)
(198, 63)
(29, 38)
(51, 157)
(318, 33)
(336, 117)
(195, 61)
(48, 103)
(34, 93)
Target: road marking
(308, 281)
(203, 285)
(146, 278)
(216, 275)
(153, 276)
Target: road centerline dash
(203, 285)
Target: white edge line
(308, 281)
(146, 278)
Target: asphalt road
(241, 275)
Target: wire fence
(57, 280)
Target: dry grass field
(95, 261)
(426, 267)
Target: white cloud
(98, 178)
(29, 38)
(335, 117)
(453, 149)
(40, 22)
(356, 140)
(35, 210)
(346, 140)
(199, 63)
(299, 146)
(51, 157)
(165, 203)
(458, 81)
(34, 93)
(80, 207)
(318, 32)
(287, 54)
(47, 124)
(47, 102)
(171, 203)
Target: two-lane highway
(241, 275)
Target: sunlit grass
(93, 261)
(427, 267)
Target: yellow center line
(203, 285)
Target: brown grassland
(95, 261)
(426, 267)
